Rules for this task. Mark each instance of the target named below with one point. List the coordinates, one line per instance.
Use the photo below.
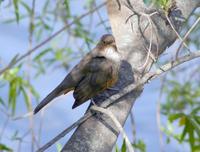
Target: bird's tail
(55, 93)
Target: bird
(96, 72)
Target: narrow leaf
(58, 147)
(26, 98)
(40, 55)
(173, 117)
(5, 148)
(67, 8)
(16, 7)
(123, 149)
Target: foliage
(62, 55)
(5, 148)
(58, 147)
(183, 106)
(181, 97)
(138, 145)
(17, 86)
(16, 2)
(163, 4)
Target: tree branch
(186, 36)
(149, 76)
(101, 135)
(116, 122)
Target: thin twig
(149, 53)
(19, 145)
(117, 124)
(5, 112)
(126, 90)
(148, 16)
(177, 34)
(4, 127)
(49, 38)
(101, 19)
(31, 121)
(158, 106)
(186, 35)
(133, 126)
(21, 140)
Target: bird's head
(107, 39)
(107, 48)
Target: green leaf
(2, 102)
(58, 55)
(168, 140)
(46, 26)
(40, 55)
(123, 148)
(5, 148)
(190, 127)
(191, 136)
(14, 59)
(140, 145)
(195, 110)
(196, 148)
(16, 7)
(46, 5)
(12, 95)
(116, 149)
(26, 98)
(40, 68)
(89, 3)
(58, 147)
(194, 124)
(15, 135)
(32, 90)
(197, 119)
(39, 34)
(67, 8)
(11, 74)
(173, 117)
(28, 9)
(182, 121)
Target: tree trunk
(133, 36)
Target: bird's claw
(113, 89)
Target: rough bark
(98, 133)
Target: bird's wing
(99, 75)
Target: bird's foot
(98, 114)
(93, 102)
(113, 89)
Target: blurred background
(165, 117)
